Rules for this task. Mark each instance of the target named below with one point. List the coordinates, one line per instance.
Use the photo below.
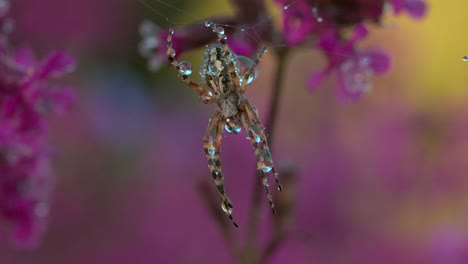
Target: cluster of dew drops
(315, 13)
(242, 62)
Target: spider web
(176, 13)
(165, 11)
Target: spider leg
(205, 94)
(212, 146)
(249, 73)
(230, 56)
(258, 138)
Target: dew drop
(265, 161)
(250, 79)
(220, 30)
(202, 72)
(465, 58)
(208, 24)
(172, 52)
(233, 126)
(319, 19)
(171, 30)
(244, 64)
(207, 97)
(210, 148)
(257, 138)
(256, 131)
(285, 7)
(185, 68)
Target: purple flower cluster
(325, 21)
(25, 97)
(328, 21)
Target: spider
(226, 82)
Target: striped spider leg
(256, 134)
(226, 82)
(204, 92)
(212, 146)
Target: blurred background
(381, 180)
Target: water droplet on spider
(220, 30)
(202, 72)
(465, 58)
(233, 126)
(172, 52)
(208, 24)
(256, 131)
(265, 162)
(211, 149)
(226, 209)
(285, 7)
(185, 68)
(244, 63)
(207, 97)
(171, 30)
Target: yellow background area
(428, 54)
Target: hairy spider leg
(212, 146)
(262, 153)
(252, 114)
(205, 93)
(251, 70)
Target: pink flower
(416, 8)
(354, 68)
(25, 97)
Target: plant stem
(251, 253)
